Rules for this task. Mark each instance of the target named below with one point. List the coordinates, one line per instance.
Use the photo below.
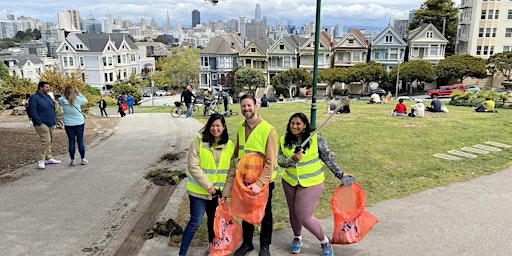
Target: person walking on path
(74, 121)
(255, 135)
(42, 111)
(130, 100)
(121, 100)
(209, 158)
(186, 97)
(303, 179)
(102, 104)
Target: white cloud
(350, 12)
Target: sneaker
(244, 249)
(73, 163)
(52, 161)
(326, 249)
(295, 247)
(84, 162)
(264, 250)
(40, 165)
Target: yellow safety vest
(216, 174)
(256, 142)
(308, 171)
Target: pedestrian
(74, 121)
(209, 158)
(255, 135)
(129, 101)
(264, 101)
(225, 100)
(121, 100)
(303, 178)
(25, 104)
(186, 97)
(102, 104)
(42, 111)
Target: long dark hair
(207, 135)
(290, 139)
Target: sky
(370, 13)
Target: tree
(502, 62)
(333, 76)
(250, 78)
(4, 71)
(415, 70)
(292, 79)
(461, 66)
(367, 72)
(438, 12)
(178, 69)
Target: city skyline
(372, 13)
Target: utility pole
(315, 65)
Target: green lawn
(391, 156)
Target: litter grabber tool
(319, 127)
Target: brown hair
(70, 94)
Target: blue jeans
(188, 113)
(76, 132)
(198, 207)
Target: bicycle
(177, 110)
(215, 108)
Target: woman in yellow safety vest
(303, 178)
(209, 158)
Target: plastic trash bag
(228, 232)
(351, 221)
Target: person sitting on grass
(400, 109)
(486, 106)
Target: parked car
(446, 90)
(472, 88)
(171, 93)
(380, 92)
(406, 98)
(160, 93)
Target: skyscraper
(75, 18)
(196, 18)
(257, 13)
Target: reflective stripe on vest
(308, 171)
(216, 174)
(257, 140)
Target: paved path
(62, 210)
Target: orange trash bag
(244, 204)
(351, 221)
(228, 232)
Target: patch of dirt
(162, 176)
(19, 146)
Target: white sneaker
(40, 165)
(52, 161)
(84, 162)
(73, 162)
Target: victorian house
(218, 59)
(24, 66)
(351, 49)
(426, 43)
(388, 48)
(255, 54)
(284, 54)
(307, 52)
(103, 58)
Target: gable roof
(326, 41)
(417, 33)
(97, 42)
(261, 45)
(22, 59)
(389, 29)
(356, 34)
(292, 43)
(228, 44)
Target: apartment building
(484, 27)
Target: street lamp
(397, 79)
(315, 64)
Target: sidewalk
(468, 218)
(66, 210)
